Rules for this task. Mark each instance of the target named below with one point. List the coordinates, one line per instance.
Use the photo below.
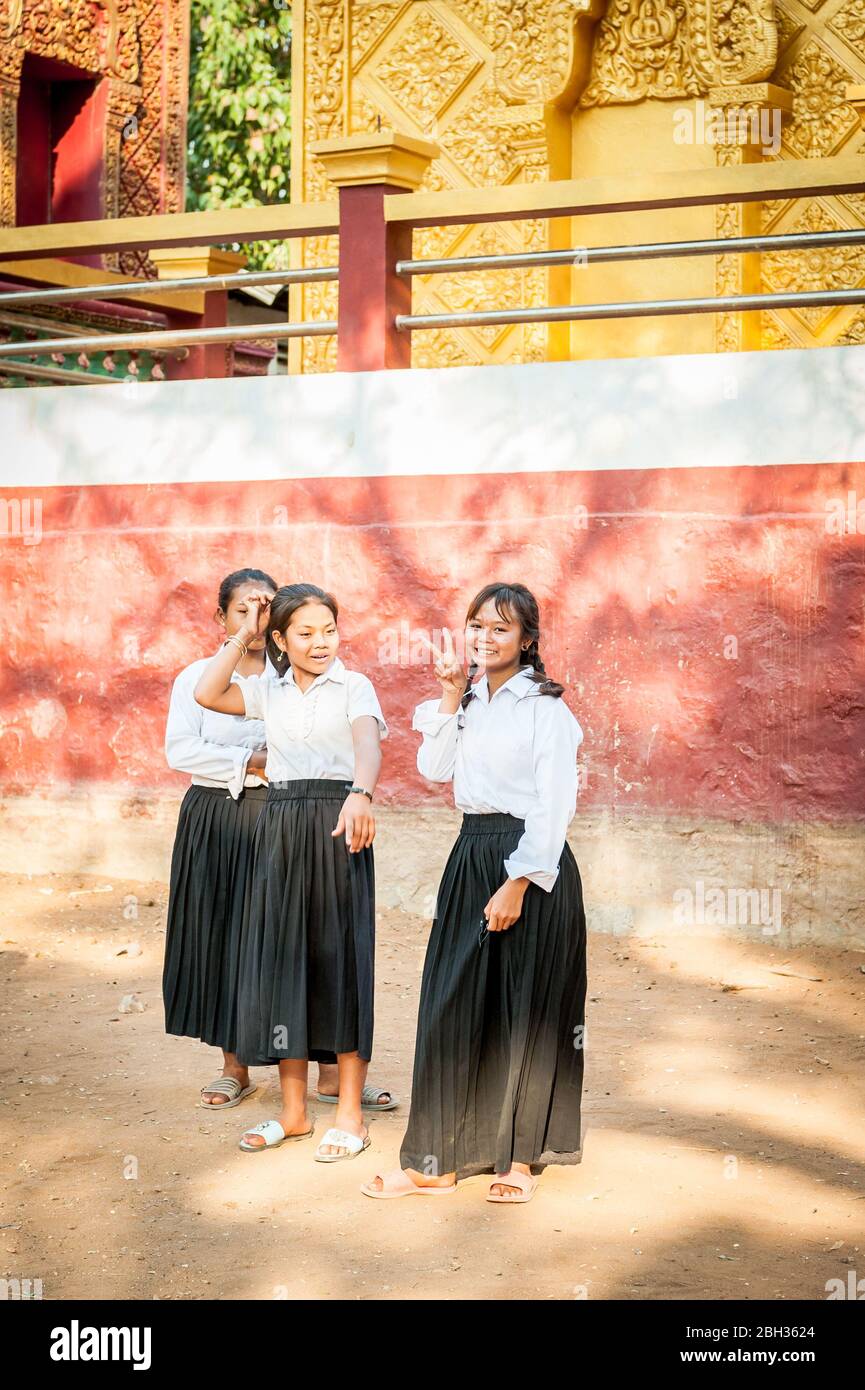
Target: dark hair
(234, 581)
(284, 603)
(516, 602)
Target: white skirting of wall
(784, 885)
(700, 411)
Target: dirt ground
(723, 1131)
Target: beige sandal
(523, 1181)
(397, 1183)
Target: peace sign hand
(449, 671)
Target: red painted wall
(637, 604)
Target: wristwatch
(362, 790)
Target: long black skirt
(210, 867)
(498, 1065)
(306, 970)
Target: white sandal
(342, 1139)
(274, 1135)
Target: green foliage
(239, 128)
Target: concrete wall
(691, 526)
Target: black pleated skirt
(210, 867)
(306, 970)
(498, 1065)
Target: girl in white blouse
(212, 851)
(306, 973)
(498, 1062)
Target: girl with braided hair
(498, 1068)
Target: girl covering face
(499, 1052)
(225, 756)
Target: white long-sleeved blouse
(515, 753)
(214, 748)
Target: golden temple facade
(534, 90)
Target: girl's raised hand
(448, 670)
(257, 614)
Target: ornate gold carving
(469, 73)
(487, 94)
(369, 20)
(325, 59)
(153, 149)
(733, 41)
(822, 119)
(854, 333)
(426, 67)
(728, 269)
(667, 48)
(542, 51)
(790, 26)
(479, 144)
(849, 23)
(775, 334)
(641, 50)
(8, 138)
(842, 267)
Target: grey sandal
(225, 1086)
(368, 1098)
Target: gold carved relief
(821, 50)
(479, 75)
(475, 75)
(667, 48)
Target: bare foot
(500, 1189)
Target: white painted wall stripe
(701, 411)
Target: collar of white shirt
(334, 672)
(520, 685)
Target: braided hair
(514, 602)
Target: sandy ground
(723, 1131)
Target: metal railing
(607, 255)
(243, 279)
(379, 304)
(160, 339)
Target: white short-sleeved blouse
(309, 731)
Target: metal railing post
(366, 168)
(178, 263)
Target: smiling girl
(306, 975)
(498, 1063)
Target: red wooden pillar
(365, 168)
(180, 263)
